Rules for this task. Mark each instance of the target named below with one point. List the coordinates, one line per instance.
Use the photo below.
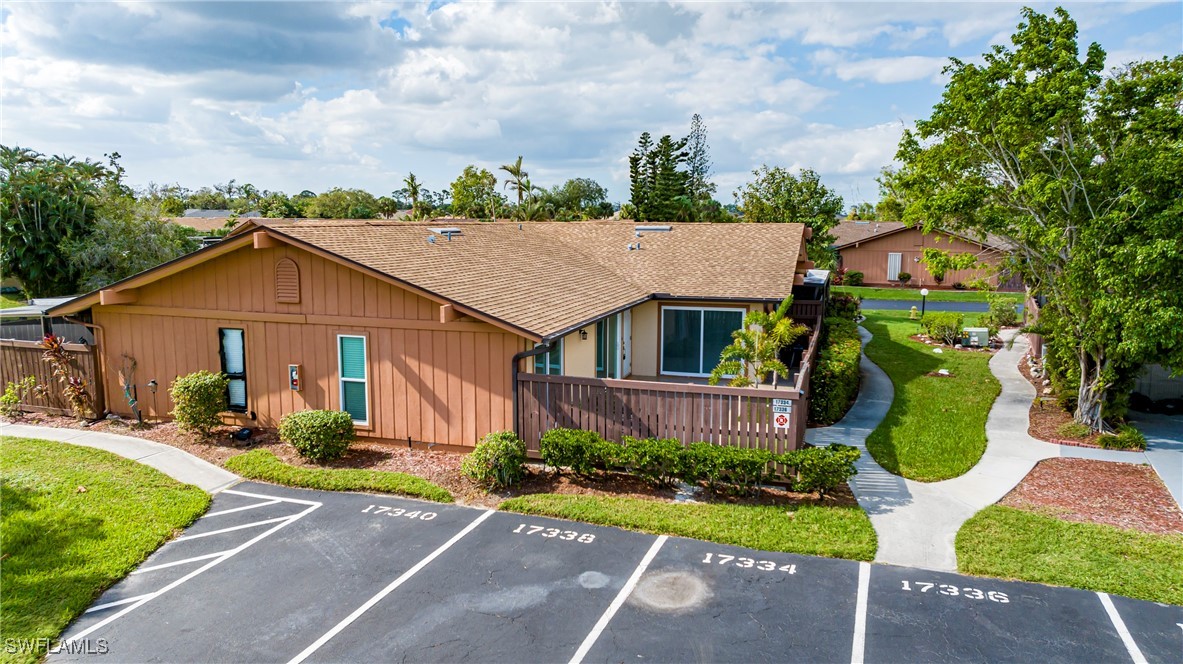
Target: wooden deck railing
(19, 359)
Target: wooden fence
(19, 359)
(742, 417)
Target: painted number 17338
(569, 535)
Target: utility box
(294, 377)
(977, 337)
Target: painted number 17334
(748, 563)
(954, 591)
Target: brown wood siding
(870, 257)
(430, 381)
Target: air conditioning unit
(977, 337)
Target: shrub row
(844, 306)
(664, 460)
(835, 378)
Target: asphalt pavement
(273, 574)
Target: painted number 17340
(398, 511)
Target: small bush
(844, 306)
(1126, 438)
(904, 278)
(658, 460)
(957, 285)
(498, 460)
(319, 435)
(821, 469)
(15, 395)
(576, 449)
(1073, 430)
(198, 400)
(979, 284)
(744, 468)
(1002, 312)
(943, 325)
(835, 378)
(854, 278)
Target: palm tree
(518, 177)
(755, 351)
(414, 187)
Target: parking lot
(272, 574)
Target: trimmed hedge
(576, 449)
(319, 435)
(834, 382)
(198, 400)
(264, 465)
(498, 461)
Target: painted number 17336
(954, 591)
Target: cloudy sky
(306, 95)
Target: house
(439, 334)
(881, 250)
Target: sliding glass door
(692, 338)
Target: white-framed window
(352, 368)
(550, 362)
(693, 338)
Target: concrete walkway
(917, 522)
(175, 463)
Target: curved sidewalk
(175, 463)
(917, 522)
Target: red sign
(781, 420)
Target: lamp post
(923, 300)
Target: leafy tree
(755, 350)
(518, 178)
(776, 195)
(44, 203)
(861, 212)
(1084, 176)
(474, 193)
(275, 205)
(127, 238)
(339, 203)
(940, 262)
(387, 207)
(578, 197)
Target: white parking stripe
(357, 613)
(254, 524)
(121, 602)
(241, 509)
(621, 596)
(860, 614)
(286, 500)
(1119, 625)
(186, 561)
(231, 553)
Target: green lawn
(75, 520)
(936, 427)
(1017, 544)
(835, 532)
(871, 293)
(8, 301)
(264, 465)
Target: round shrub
(854, 278)
(571, 448)
(498, 460)
(198, 400)
(318, 435)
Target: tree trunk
(1090, 395)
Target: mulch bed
(1124, 495)
(1046, 415)
(442, 468)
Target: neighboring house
(881, 250)
(441, 333)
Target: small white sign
(782, 409)
(781, 420)
(782, 402)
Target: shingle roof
(849, 232)
(548, 277)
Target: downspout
(100, 361)
(540, 349)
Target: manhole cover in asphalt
(671, 591)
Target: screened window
(232, 349)
(692, 339)
(607, 356)
(351, 355)
(550, 362)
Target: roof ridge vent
(656, 228)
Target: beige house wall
(579, 355)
